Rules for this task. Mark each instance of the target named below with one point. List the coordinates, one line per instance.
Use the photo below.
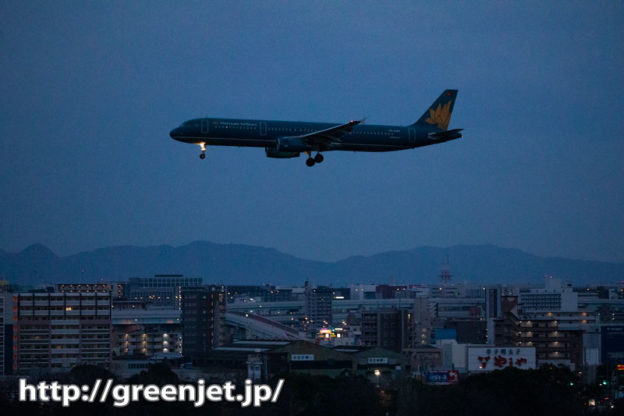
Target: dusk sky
(90, 91)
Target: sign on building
(443, 377)
(302, 357)
(612, 343)
(498, 358)
(377, 360)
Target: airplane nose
(174, 133)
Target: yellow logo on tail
(440, 116)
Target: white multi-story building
(56, 331)
(554, 297)
(361, 292)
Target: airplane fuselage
(286, 139)
(266, 133)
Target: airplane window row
(294, 130)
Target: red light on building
(620, 367)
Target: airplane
(288, 139)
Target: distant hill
(243, 264)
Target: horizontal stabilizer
(446, 135)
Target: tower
(445, 272)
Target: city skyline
(384, 335)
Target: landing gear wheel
(310, 162)
(202, 156)
(318, 158)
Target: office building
(554, 297)
(161, 290)
(389, 329)
(318, 306)
(8, 319)
(203, 319)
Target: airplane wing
(331, 135)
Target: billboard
(612, 343)
(498, 358)
(443, 377)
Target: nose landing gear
(203, 151)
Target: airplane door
(263, 128)
(412, 135)
(204, 126)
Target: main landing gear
(203, 149)
(313, 160)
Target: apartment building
(59, 330)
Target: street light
(377, 374)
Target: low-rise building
(309, 358)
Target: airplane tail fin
(439, 113)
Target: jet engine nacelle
(291, 144)
(272, 152)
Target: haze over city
(91, 90)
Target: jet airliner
(287, 139)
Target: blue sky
(90, 90)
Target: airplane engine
(291, 144)
(272, 152)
